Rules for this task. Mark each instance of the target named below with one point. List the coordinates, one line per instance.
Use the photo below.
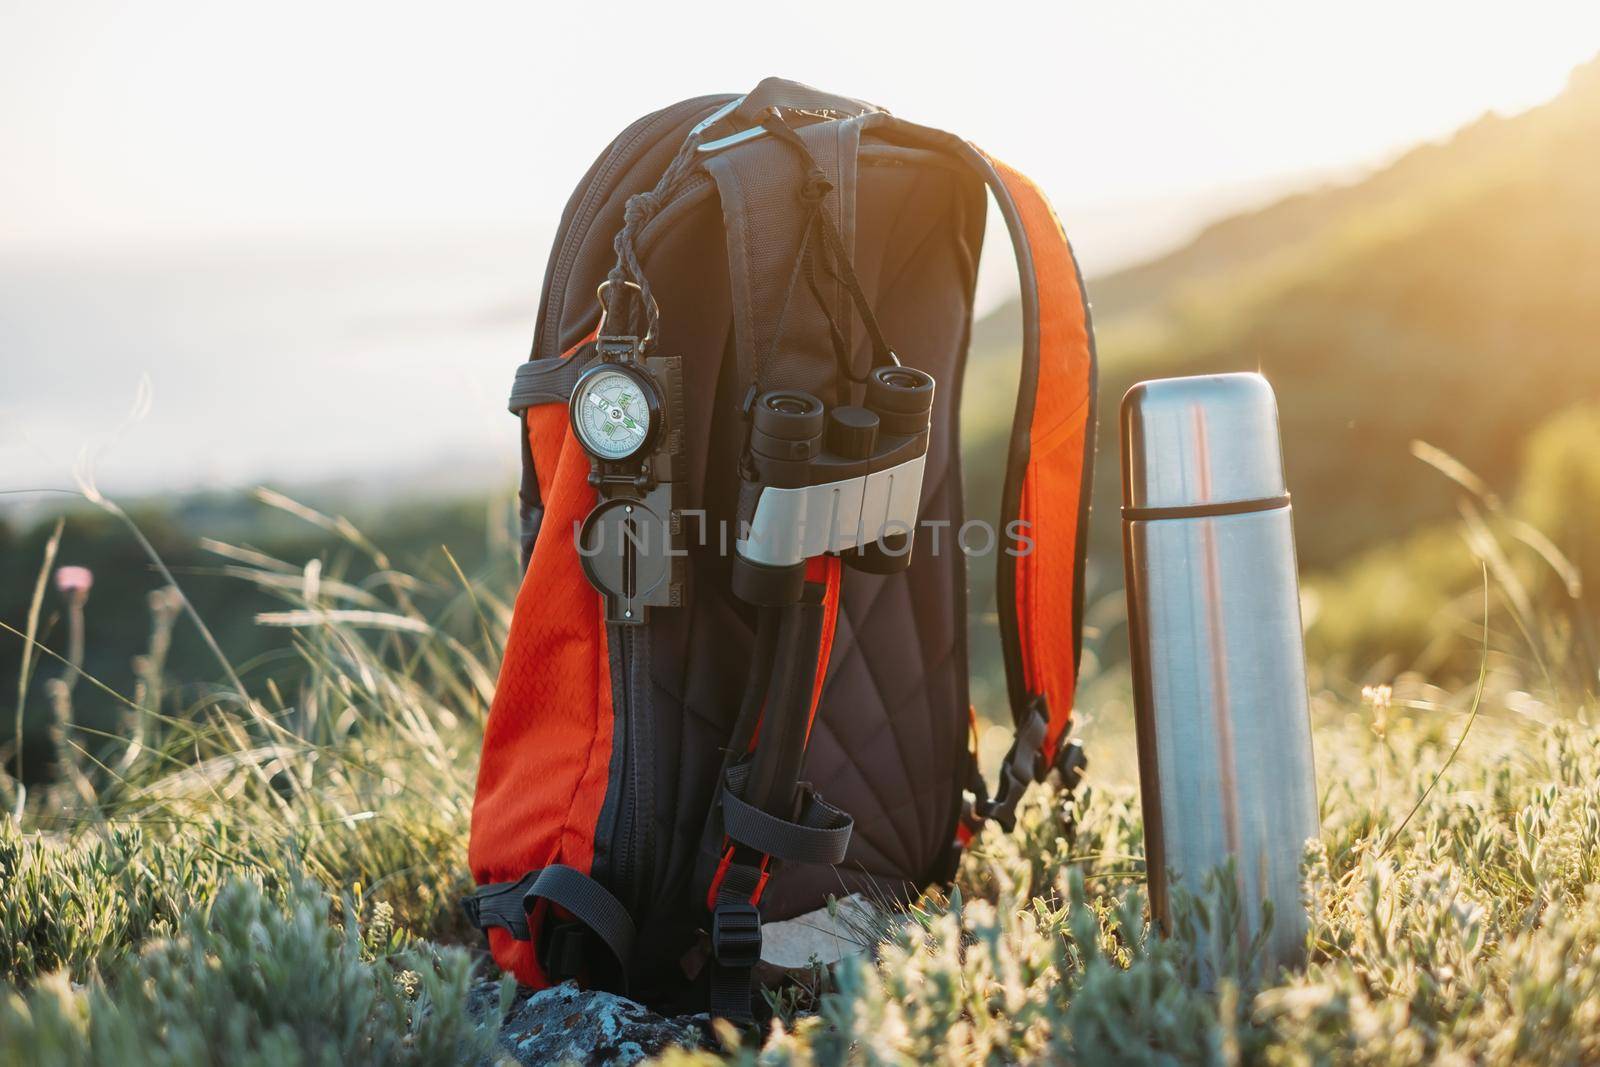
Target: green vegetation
(192, 535)
(359, 771)
(253, 979)
(271, 878)
(168, 894)
(1400, 608)
(1449, 298)
(1471, 935)
(264, 867)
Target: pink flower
(74, 580)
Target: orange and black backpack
(739, 446)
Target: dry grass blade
(25, 675)
(295, 583)
(115, 510)
(1456, 471)
(379, 620)
(477, 609)
(247, 556)
(1567, 571)
(1472, 717)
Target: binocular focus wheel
(789, 415)
(899, 390)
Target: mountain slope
(1453, 297)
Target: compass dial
(614, 413)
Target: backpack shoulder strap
(758, 182)
(1045, 510)
(1050, 465)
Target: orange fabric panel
(547, 431)
(547, 743)
(1053, 482)
(546, 425)
(828, 570)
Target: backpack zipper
(632, 851)
(630, 859)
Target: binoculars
(846, 480)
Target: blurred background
(300, 246)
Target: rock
(820, 937)
(483, 998)
(571, 1025)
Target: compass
(616, 413)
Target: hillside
(212, 542)
(1454, 296)
(238, 829)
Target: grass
(258, 977)
(360, 775)
(1474, 936)
(269, 875)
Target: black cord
(636, 214)
(814, 190)
(641, 208)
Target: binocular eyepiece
(786, 426)
(790, 425)
(818, 480)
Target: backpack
(731, 293)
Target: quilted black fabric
(890, 744)
(891, 738)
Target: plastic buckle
(1022, 766)
(736, 934)
(564, 947)
(1071, 764)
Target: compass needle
(614, 413)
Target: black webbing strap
(590, 903)
(765, 813)
(813, 190)
(735, 939)
(547, 381)
(765, 223)
(820, 834)
(507, 904)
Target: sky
(259, 209)
(179, 119)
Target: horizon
(258, 290)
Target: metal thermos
(1224, 729)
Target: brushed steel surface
(1218, 658)
(1209, 439)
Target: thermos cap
(1206, 440)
